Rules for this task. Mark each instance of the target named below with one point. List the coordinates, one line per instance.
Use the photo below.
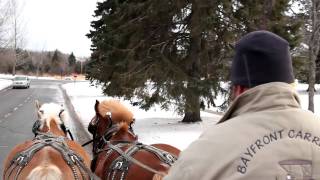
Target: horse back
(166, 147)
(105, 161)
(76, 147)
(46, 161)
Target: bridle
(125, 157)
(100, 140)
(65, 129)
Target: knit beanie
(261, 57)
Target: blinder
(92, 127)
(35, 127)
(100, 140)
(60, 113)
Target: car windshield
(20, 78)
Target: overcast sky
(58, 24)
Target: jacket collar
(275, 95)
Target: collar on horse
(58, 143)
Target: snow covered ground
(9, 76)
(303, 94)
(153, 126)
(4, 83)
(156, 125)
(6, 80)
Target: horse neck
(123, 135)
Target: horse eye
(41, 111)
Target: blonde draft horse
(48, 154)
(117, 152)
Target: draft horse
(50, 155)
(117, 152)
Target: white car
(68, 78)
(21, 81)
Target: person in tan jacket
(264, 135)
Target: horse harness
(42, 140)
(122, 163)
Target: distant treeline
(40, 63)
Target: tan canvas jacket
(263, 135)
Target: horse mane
(51, 110)
(49, 172)
(123, 127)
(119, 112)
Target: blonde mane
(50, 113)
(123, 127)
(119, 112)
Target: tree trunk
(15, 43)
(313, 51)
(312, 77)
(192, 106)
(267, 13)
(14, 67)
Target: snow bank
(4, 83)
(9, 76)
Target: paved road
(18, 113)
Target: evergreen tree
(274, 16)
(175, 48)
(178, 49)
(56, 62)
(278, 17)
(71, 62)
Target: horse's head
(51, 118)
(108, 114)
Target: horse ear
(96, 106)
(38, 105)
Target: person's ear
(237, 90)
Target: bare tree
(313, 49)
(17, 34)
(4, 18)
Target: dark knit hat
(261, 57)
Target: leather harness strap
(122, 163)
(56, 142)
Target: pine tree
(175, 48)
(56, 62)
(271, 15)
(71, 62)
(180, 50)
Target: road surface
(18, 113)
